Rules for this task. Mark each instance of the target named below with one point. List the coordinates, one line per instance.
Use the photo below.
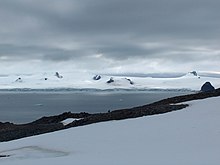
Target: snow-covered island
(85, 80)
(188, 136)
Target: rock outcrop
(194, 73)
(111, 80)
(4, 156)
(207, 87)
(58, 75)
(97, 77)
(130, 81)
(18, 80)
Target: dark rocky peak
(111, 80)
(207, 87)
(97, 77)
(58, 75)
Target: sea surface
(23, 107)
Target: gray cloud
(177, 31)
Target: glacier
(84, 81)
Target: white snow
(189, 136)
(82, 80)
(69, 120)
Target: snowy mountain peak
(192, 74)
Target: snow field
(83, 80)
(190, 136)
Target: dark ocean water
(23, 107)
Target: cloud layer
(111, 36)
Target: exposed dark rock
(111, 80)
(18, 79)
(131, 82)
(25, 130)
(58, 75)
(4, 156)
(207, 87)
(185, 98)
(194, 73)
(97, 77)
(45, 78)
(61, 117)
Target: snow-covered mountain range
(84, 80)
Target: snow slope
(190, 136)
(84, 80)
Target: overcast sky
(120, 36)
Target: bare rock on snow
(207, 87)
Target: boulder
(207, 87)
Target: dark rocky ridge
(10, 131)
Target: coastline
(10, 131)
(21, 107)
